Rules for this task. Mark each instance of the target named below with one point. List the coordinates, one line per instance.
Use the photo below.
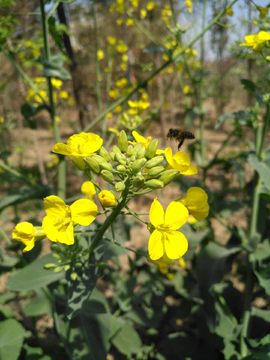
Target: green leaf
(11, 340)
(261, 168)
(251, 246)
(41, 305)
(250, 87)
(54, 68)
(261, 264)
(34, 276)
(127, 340)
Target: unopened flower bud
(122, 141)
(136, 148)
(138, 181)
(107, 176)
(92, 164)
(138, 165)
(49, 266)
(116, 150)
(151, 228)
(120, 186)
(129, 151)
(58, 269)
(78, 265)
(99, 158)
(107, 198)
(104, 153)
(151, 149)
(112, 155)
(106, 166)
(154, 162)
(118, 157)
(56, 248)
(73, 276)
(155, 170)
(102, 265)
(121, 168)
(141, 153)
(154, 184)
(67, 267)
(168, 176)
(133, 158)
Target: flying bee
(179, 135)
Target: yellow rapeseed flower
(180, 161)
(63, 94)
(263, 11)
(100, 54)
(107, 198)
(111, 40)
(165, 238)
(114, 131)
(186, 89)
(163, 264)
(119, 22)
(88, 189)
(143, 13)
(166, 11)
(143, 141)
(28, 234)
(229, 12)
(57, 83)
(118, 109)
(58, 224)
(257, 42)
(129, 22)
(121, 47)
(78, 147)
(150, 5)
(114, 94)
(196, 202)
(189, 6)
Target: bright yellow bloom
(229, 12)
(40, 79)
(129, 22)
(57, 83)
(150, 5)
(78, 147)
(196, 203)
(163, 264)
(63, 94)
(189, 6)
(121, 82)
(118, 109)
(114, 94)
(88, 189)
(58, 224)
(2, 120)
(28, 234)
(109, 115)
(186, 89)
(107, 198)
(263, 11)
(257, 42)
(111, 40)
(166, 11)
(123, 66)
(100, 54)
(121, 47)
(180, 161)
(143, 13)
(119, 22)
(165, 238)
(255, 22)
(167, 21)
(125, 57)
(143, 141)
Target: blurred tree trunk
(73, 66)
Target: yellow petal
(25, 228)
(29, 245)
(49, 228)
(54, 206)
(66, 237)
(155, 245)
(176, 215)
(168, 154)
(263, 35)
(83, 211)
(191, 171)
(156, 214)
(176, 245)
(62, 149)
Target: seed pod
(116, 150)
(155, 170)
(168, 176)
(104, 153)
(73, 276)
(138, 165)
(102, 265)
(154, 162)
(129, 151)
(138, 181)
(151, 149)
(121, 168)
(92, 164)
(136, 148)
(154, 184)
(122, 141)
(99, 158)
(107, 176)
(49, 266)
(120, 186)
(112, 155)
(106, 166)
(58, 269)
(141, 153)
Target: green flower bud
(133, 158)
(106, 166)
(138, 165)
(136, 148)
(121, 168)
(49, 266)
(122, 141)
(78, 265)
(112, 155)
(154, 184)
(99, 158)
(129, 151)
(56, 248)
(138, 181)
(154, 162)
(151, 149)
(118, 157)
(116, 150)
(104, 153)
(58, 269)
(73, 276)
(141, 153)
(155, 170)
(102, 265)
(122, 162)
(92, 164)
(120, 186)
(107, 176)
(67, 267)
(57, 256)
(128, 161)
(168, 176)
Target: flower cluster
(257, 42)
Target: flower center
(164, 228)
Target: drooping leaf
(127, 340)
(261, 168)
(41, 305)
(54, 68)
(250, 87)
(11, 339)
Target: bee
(179, 135)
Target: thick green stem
(62, 164)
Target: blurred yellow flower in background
(88, 189)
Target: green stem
(265, 126)
(4, 235)
(125, 247)
(144, 83)
(62, 164)
(135, 215)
